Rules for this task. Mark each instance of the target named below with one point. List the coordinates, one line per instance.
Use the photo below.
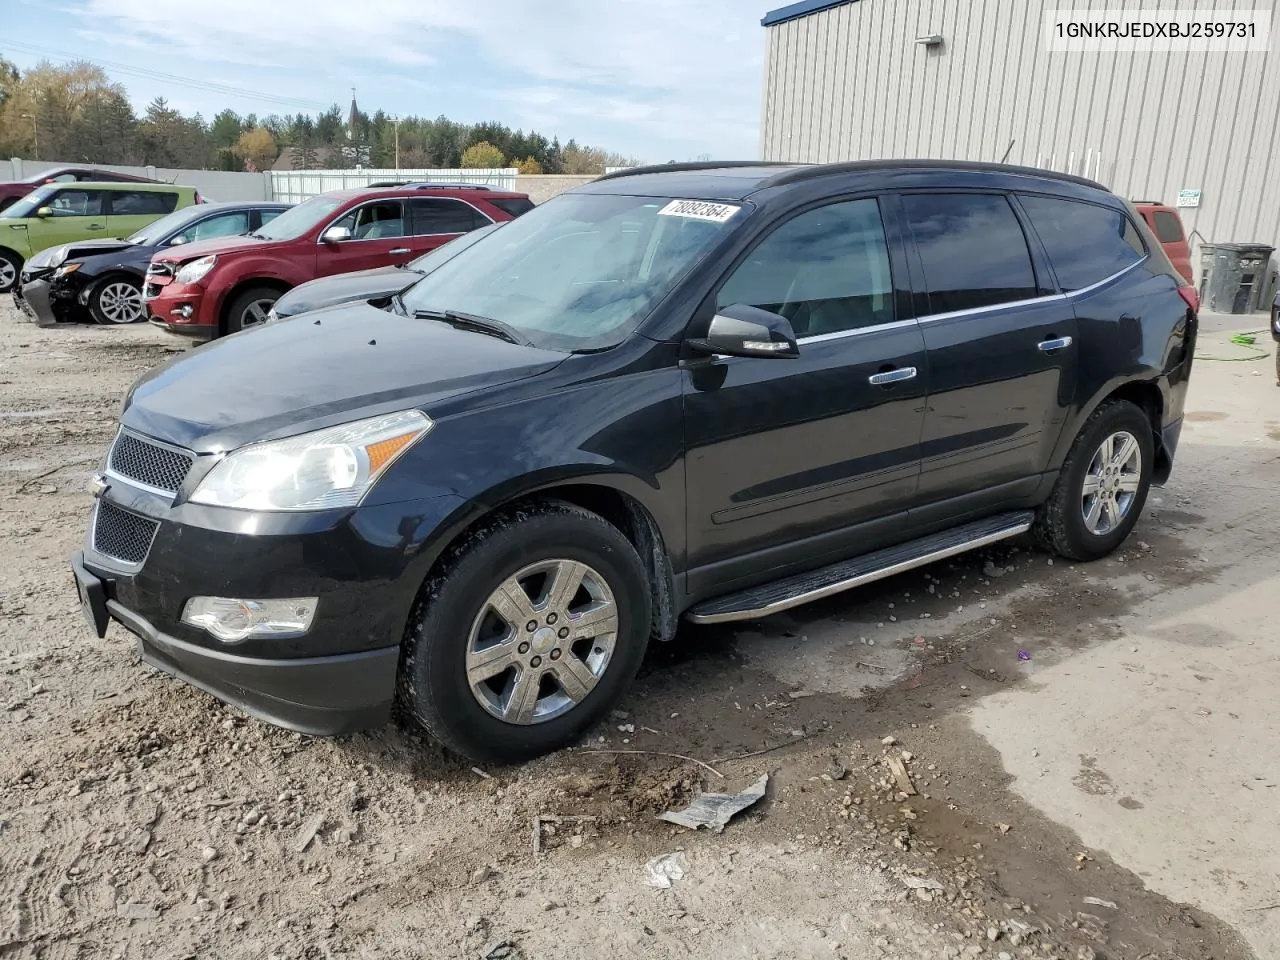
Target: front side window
(224, 225)
(436, 215)
(142, 203)
(581, 271)
(77, 203)
(1086, 242)
(826, 271)
(375, 221)
(972, 249)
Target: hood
(345, 288)
(314, 371)
(219, 245)
(93, 248)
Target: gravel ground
(141, 818)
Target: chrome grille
(120, 534)
(136, 459)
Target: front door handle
(892, 376)
(399, 250)
(1051, 346)
(96, 226)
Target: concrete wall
(547, 185)
(212, 184)
(850, 82)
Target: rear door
(437, 220)
(76, 213)
(1002, 351)
(131, 210)
(378, 239)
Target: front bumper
(35, 299)
(182, 308)
(321, 696)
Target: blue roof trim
(797, 10)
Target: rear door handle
(1057, 343)
(96, 226)
(399, 250)
(892, 376)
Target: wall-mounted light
(933, 40)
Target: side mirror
(336, 235)
(739, 330)
(44, 212)
(176, 241)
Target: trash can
(1233, 276)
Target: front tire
(1103, 484)
(10, 269)
(529, 633)
(250, 308)
(115, 301)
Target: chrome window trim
(855, 331)
(405, 210)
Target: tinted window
(375, 221)
(223, 225)
(142, 203)
(438, 215)
(76, 203)
(973, 250)
(1085, 242)
(514, 206)
(1167, 226)
(826, 270)
(266, 216)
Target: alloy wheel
(255, 313)
(542, 641)
(8, 274)
(1111, 483)
(120, 302)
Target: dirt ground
(1082, 755)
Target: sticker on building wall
(1188, 198)
(699, 210)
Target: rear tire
(117, 300)
(1103, 484)
(467, 666)
(10, 269)
(250, 308)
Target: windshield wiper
(476, 324)
(256, 235)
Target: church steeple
(352, 115)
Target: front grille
(122, 535)
(160, 270)
(136, 459)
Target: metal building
(974, 80)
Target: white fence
(293, 186)
(211, 184)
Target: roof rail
(692, 165)
(814, 171)
(429, 185)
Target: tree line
(74, 113)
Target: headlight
(67, 268)
(196, 269)
(334, 467)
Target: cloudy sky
(660, 79)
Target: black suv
(702, 391)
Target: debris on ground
(715, 810)
(499, 950)
(136, 911)
(900, 775)
(1024, 655)
(664, 870)
(308, 833)
(1098, 902)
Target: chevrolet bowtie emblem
(98, 484)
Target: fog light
(183, 311)
(232, 620)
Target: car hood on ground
(324, 368)
(345, 288)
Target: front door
(76, 213)
(787, 458)
(1002, 349)
(378, 239)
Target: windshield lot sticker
(699, 210)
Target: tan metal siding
(850, 82)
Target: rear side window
(973, 250)
(513, 206)
(436, 215)
(129, 203)
(1167, 227)
(1086, 242)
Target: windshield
(430, 261)
(28, 205)
(578, 272)
(152, 233)
(296, 221)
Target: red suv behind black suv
(222, 286)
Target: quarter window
(826, 271)
(972, 249)
(1168, 228)
(1086, 242)
(437, 215)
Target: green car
(60, 213)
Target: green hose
(1246, 339)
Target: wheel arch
(1149, 397)
(240, 286)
